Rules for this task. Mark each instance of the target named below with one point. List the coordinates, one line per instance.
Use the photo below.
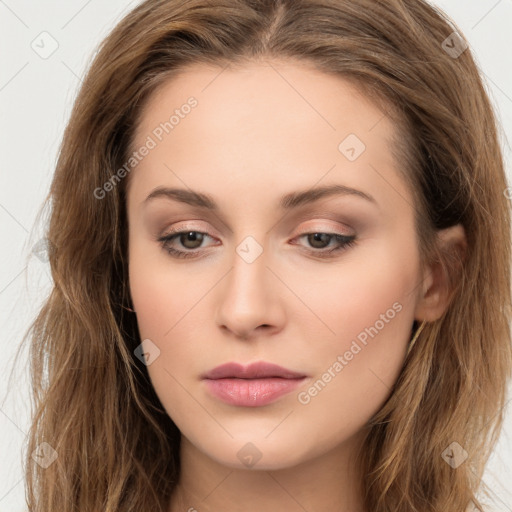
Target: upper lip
(259, 370)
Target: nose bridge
(247, 298)
(248, 280)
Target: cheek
(374, 287)
(162, 292)
(169, 299)
(369, 308)
(164, 300)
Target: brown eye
(188, 243)
(191, 239)
(319, 240)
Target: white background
(36, 96)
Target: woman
(281, 252)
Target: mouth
(251, 386)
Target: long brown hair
(93, 401)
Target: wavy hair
(93, 402)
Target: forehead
(290, 88)
(270, 121)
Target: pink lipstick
(254, 385)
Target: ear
(434, 294)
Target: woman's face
(302, 255)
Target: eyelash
(343, 242)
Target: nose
(249, 303)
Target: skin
(258, 132)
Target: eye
(189, 239)
(320, 240)
(192, 240)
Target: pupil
(193, 236)
(317, 237)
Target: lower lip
(251, 392)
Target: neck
(327, 483)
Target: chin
(258, 454)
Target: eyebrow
(287, 202)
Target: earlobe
(436, 289)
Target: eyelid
(186, 227)
(316, 228)
(311, 226)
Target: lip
(254, 385)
